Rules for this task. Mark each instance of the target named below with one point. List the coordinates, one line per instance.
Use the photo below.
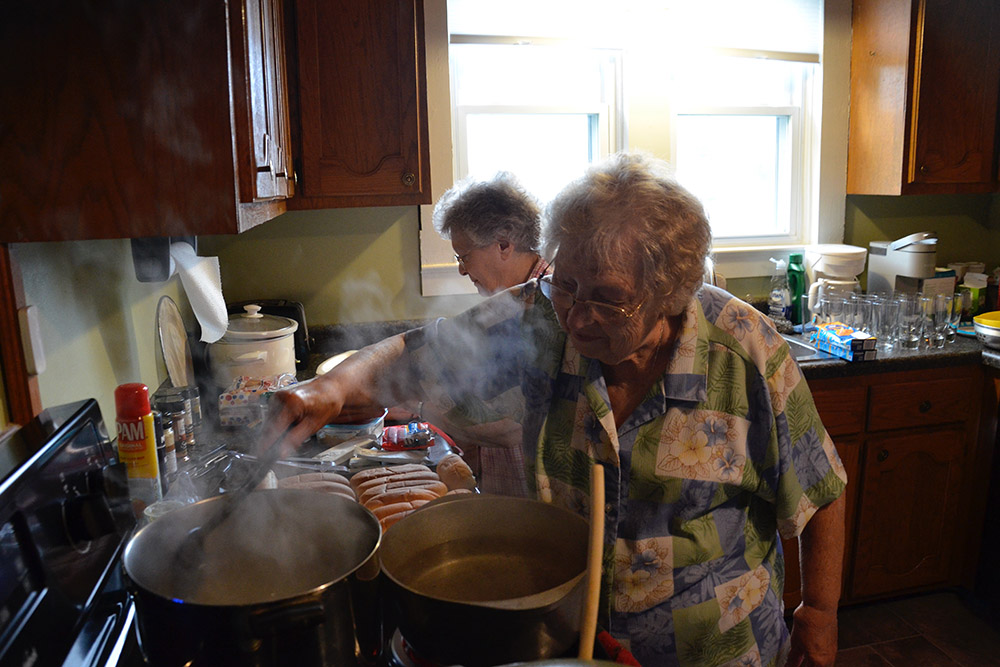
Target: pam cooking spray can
(137, 444)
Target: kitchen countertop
(963, 350)
(331, 340)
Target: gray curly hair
(631, 211)
(488, 211)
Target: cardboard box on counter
(939, 284)
(840, 340)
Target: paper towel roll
(202, 283)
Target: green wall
(968, 228)
(345, 266)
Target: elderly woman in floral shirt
(711, 443)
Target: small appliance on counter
(912, 257)
(833, 268)
(65, 516)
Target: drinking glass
(864, 313)
(942, 316)
(955, 316)
(926, 320)
(836, 307)
(911, 319)
(888, 315)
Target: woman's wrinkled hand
(814, 638)
(297, 412)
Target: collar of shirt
(541, 268)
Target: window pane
(743, 82)
(486, 74)
(738, 167)
(544, 151)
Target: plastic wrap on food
(244, 402)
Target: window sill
(750, 262)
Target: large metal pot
(289, 578)
(487, 580)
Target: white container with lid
(255, 345)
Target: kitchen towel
(202, 283)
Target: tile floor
(937, 629)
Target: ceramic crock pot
(254, 345)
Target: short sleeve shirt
(722, 454)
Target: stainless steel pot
(288, 578)
(487, 580)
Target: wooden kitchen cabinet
(907, 527)
(911, 444)
(139, 119)
(924, 83)
(360, 110)
(266, 79)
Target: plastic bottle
(796, 286)
(779, 303)
(137, 444)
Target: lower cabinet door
(908, 511)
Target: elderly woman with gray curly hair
(690, 400)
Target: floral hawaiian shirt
(723, 453)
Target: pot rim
(313, 592)
(532, 602)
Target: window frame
(790, 203)
(603, 131)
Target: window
(542, 111)
(739, 142)
(725, 90)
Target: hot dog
(372, 473)
(403, 495)
(406, 477)
(434, 486)
(456, 473)
(390, 514)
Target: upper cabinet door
(125, 119)
(924, 84)
(270, 175)
(361, 130)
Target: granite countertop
(962, 351)
(331, 340)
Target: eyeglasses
(565, 300)
(461, 258)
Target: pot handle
(306, 612)
(257, 357)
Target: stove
(65, 516)
(399, 653)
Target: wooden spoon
(595, 559)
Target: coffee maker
(913, 256)
(833, 268)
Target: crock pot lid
(254, 325)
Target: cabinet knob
(923, 169)
(408, 178)
(883, 454)
(925, 406)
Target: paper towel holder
(151, 256)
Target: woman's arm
(821, 557)
(357, 388)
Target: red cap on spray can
(132, 400)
